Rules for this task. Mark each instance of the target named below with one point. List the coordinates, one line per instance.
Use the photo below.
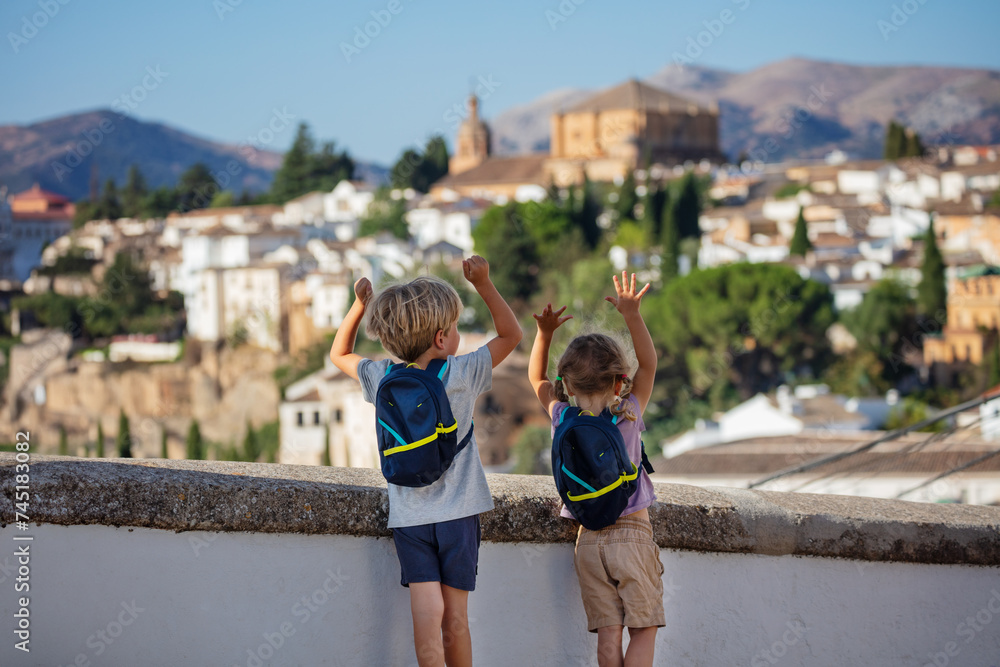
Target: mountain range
(806, 107)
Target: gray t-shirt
(462, 490)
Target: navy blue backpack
(417, 432)
(593, 473)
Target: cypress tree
(654, 205)
(63, 444)
(932, 292)
(123, 443)
(195, 451)
(687, 208)
(326, 446)
(671, 241)
(585, 217)
(627, 199)
(993, 363)
(251, 450)
(913, 146)
(800, 244)
(894, 141)
(164, 454)
(100, 439)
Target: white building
(327, 402)
(453, 223)
(241, 302)
(348, 202)
(989, 415)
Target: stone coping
(271, 498)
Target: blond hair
(591, 364)
(406, 317)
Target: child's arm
(627, 303)
(342, 351)
(477, 272)
(538, 363)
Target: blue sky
(226, 65)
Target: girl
(619, 566)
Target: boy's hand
(549, 320)
(627, 300)
(363, 290)
(476, 270)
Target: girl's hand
(549, 320)
(363, 290)
(627, 300)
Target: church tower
(473, 144)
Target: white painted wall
(165, 598)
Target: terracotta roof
(520, 169)
(36, 192)
(634, 94)
(312, 397)
(909, 455)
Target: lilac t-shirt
(632, 434)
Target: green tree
(251, 449)
(894, 141)
(687, 208)
(164, 451)
(800, 244)
(195, 445)
(63, 444)
(385, 214)
(501, 237)
(740, 326)
(584, 213)
(670, 238)
(408, 172)
(108, 206)
(196, 188)
(913, 146)
(327, 167)
(292, 179)
(627, 198)
(993, 363)
(134, 193)
(654, 204)
(100, 439)
(884, 324)
(325, 460)
(123, 443)
(223, 199)
(159, 203)
(529, 452)
(932, 292)
(435, 160)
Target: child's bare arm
(342, 351)
(538, 362)
(627, 303)
(477, 272)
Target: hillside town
(264, 285)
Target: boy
(435, 527)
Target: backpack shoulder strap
(645, 459)
(437, 367)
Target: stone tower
(473, 144)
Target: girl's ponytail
(623, 408)
(560, 390)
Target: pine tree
(687, 208)
(932, 292)
(63, 444)
(195, 449)
(251, 450)
(913, 146)
(291, 180)
(434, 165)
(123, 443)
(894, 141)
(585, 215)
(134, 193)
(100, 439)
(800, 244)
(108, 206)
(655, 203)
(164, 453)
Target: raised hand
(550, 320)
(363, 290)
(627, 299)
(476, 270)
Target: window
(338, 416)
(299, 419)
(316, 418)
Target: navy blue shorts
(447, 552)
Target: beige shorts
(620, 575)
